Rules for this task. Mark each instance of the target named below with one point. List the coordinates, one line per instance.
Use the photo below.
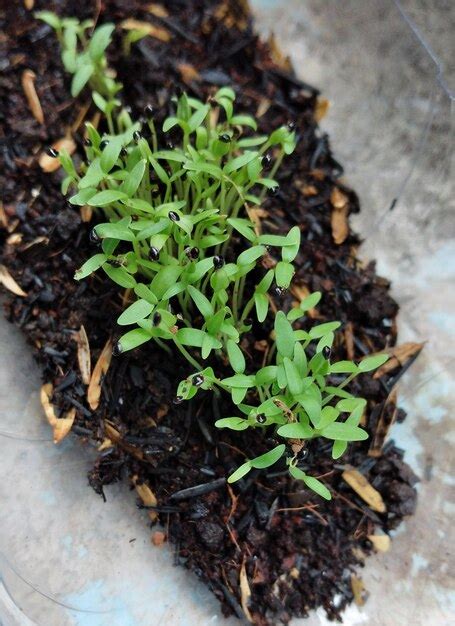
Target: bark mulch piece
(267, 536)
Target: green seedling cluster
(178, 234)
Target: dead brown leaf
(47, 163)
(83, 354)
(381, 543)
(147, 496)
(153, 31)
(263, 106)
(60, 426)
(158, 538)
(245, 593)
(358, 589)
(188, 72)
(282, 61)
(301, 292)
(28, 85)
(158, 10)
(29, 4)
(385, 421)
(399, 355)
(86, 213)
(321, 108)
(339, 217)
(362, 487)
(8, 281)
(3, 217)
(349, 340)
(100, 369)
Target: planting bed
(266, 536)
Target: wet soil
(296, 551)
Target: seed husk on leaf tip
(266, 160)
(117, 349)
(291, 125)
(93, 236)
(280, 291)
(87, 142)
(192, 253)
(149, 111)
(154, 254)
(218, 262)
(197, 380)
(52, 152)
(178, 400)
(273, 191)
(224, 137)
(137, 136)
(261, 418)
(156, 319)
(173, 216)
(326, 352)
(103, 144)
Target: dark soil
(298, 551)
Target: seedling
(179, 237)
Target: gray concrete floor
(390, 124)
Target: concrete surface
(390, 124)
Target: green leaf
(261, 302)
(338, 449)
(201, 301)
(81, 78)
(139, 310)
(100, 102)
(134, 179)
(322, 329)
(292, 246)
(285, 340)
(167, 276)
(169, 123)
(284, 272)
(225, 92)
(269, 458)
(312, 483)
(244, 227)
(133, 339)
(236, 358)
(250, 255)
(108, 196)
(110, 154)
(120, 276)
(115, 230)
(310, 301)
(238, 394)
(49, 18)
(312, 406)
(328, 415)
(293, 376)
(344, 432)
(240, 472)
(343, 367)
(351, 404)
(240, 161)
(100, 40)
(142, 291)
(190, 337)
(295, 430)
(266, 375)
(372, 362)
(239, 381)
(198, 117)
(234, 423)
(90, 266)
(244, 120)
(83, 196)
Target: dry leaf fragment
(301, 292)
(245, 593)
(149, 29)
(158, 538)
(8, 281)
(321, 109)
(385, 421)
(282, 61)
(339, 217)
(28, 85)
(399, 355)
(188, 72)
(100, 369)
(15, 239)
(86, 213)
(381, 543)
(358, 589)
(83, 354)
(29, 4)
(362, 487)
(349, 340)
(158, 10)
(147, 496)
(263, 106)
(61, 426)
(47, 163)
